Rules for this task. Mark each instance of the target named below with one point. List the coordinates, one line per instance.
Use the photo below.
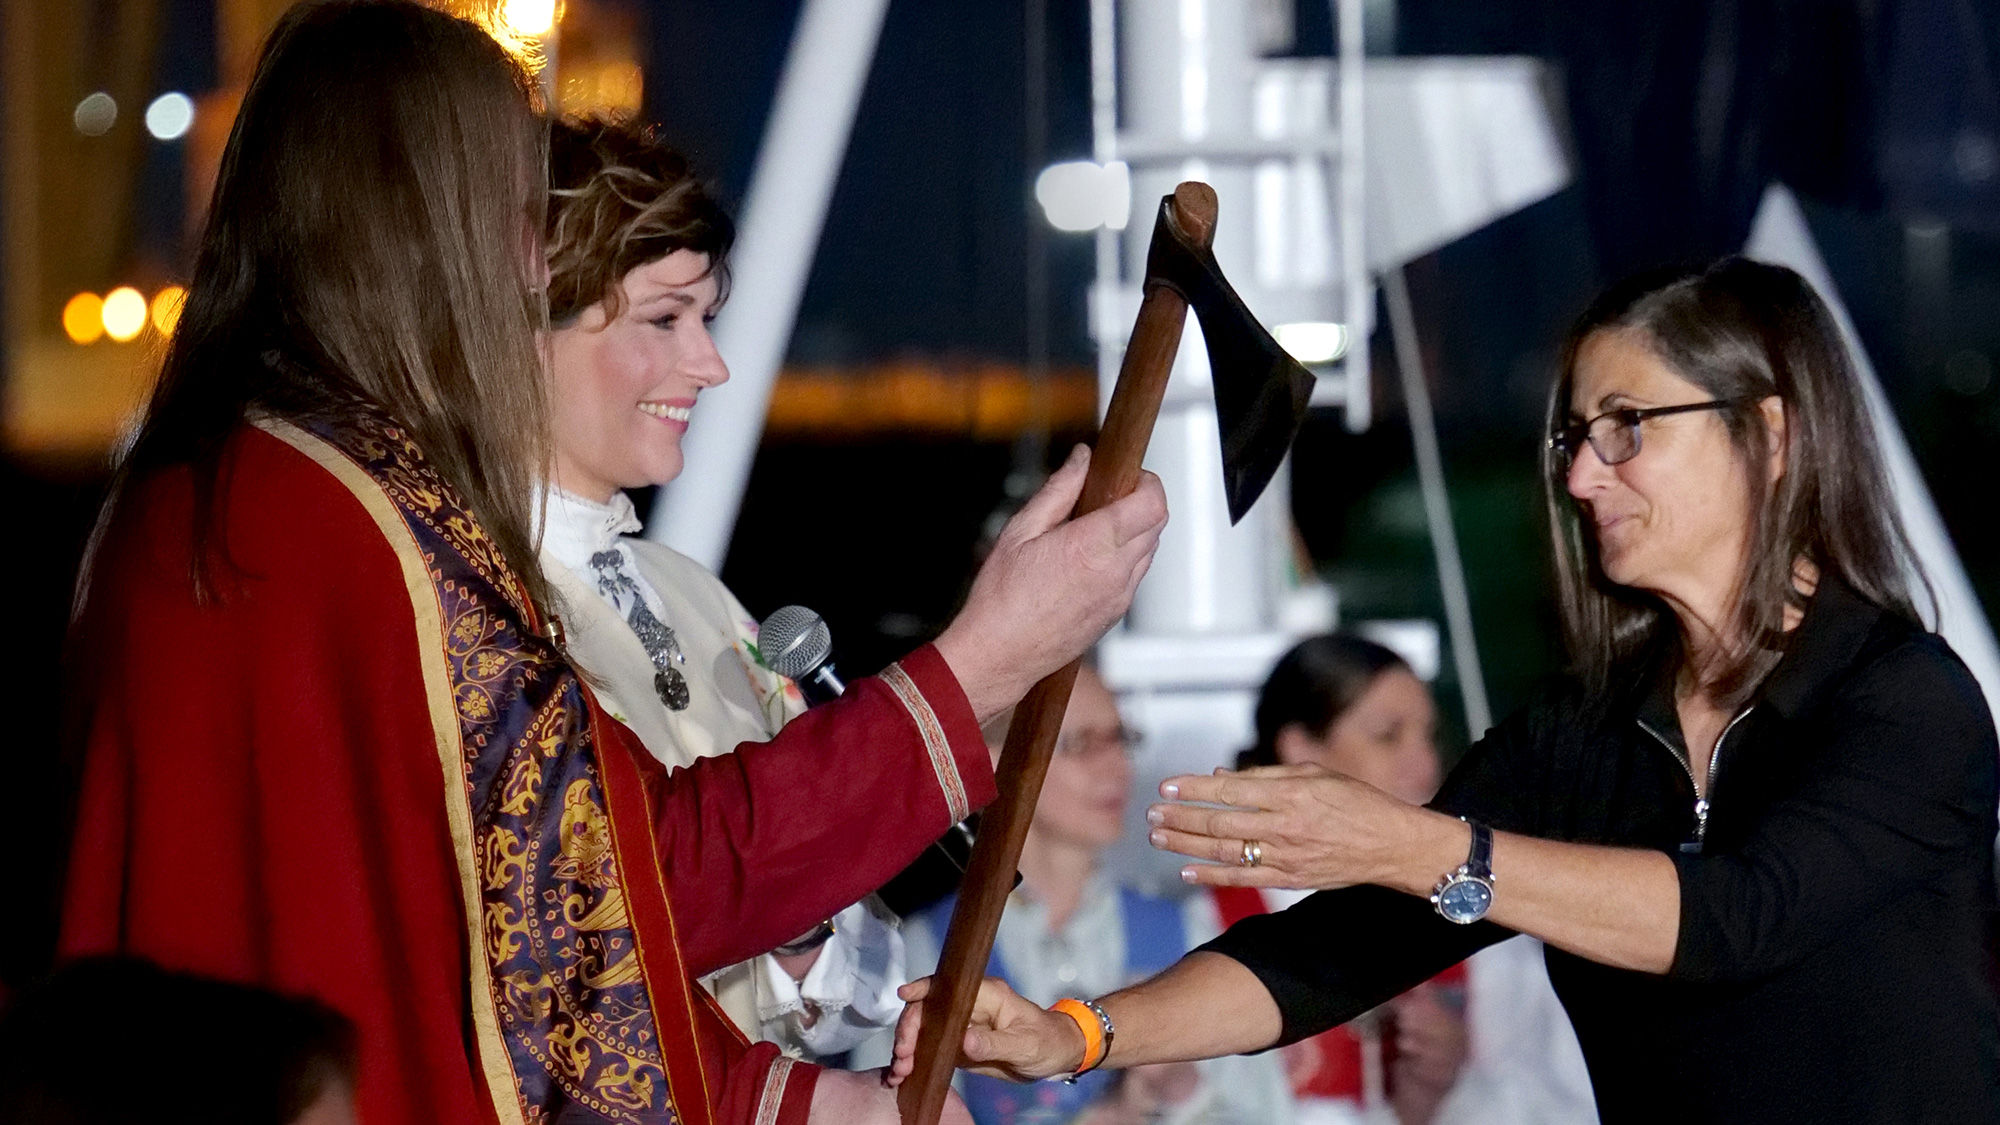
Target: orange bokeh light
(167, 308)
(83, 318)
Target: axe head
(1261, 392)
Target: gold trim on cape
(496, 1066)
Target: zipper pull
(1700, 819)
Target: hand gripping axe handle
(1180, 272)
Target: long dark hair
(1745, 331)
(1312, 686)
(373, 242)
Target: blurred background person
(638, 266)
(1485, 1041)
(1074, 928)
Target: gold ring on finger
(1253, 853)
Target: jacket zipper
(1701, 792)
(1714, 760)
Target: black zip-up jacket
(1835, 891)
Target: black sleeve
(1506, 779)
(1340, 953)
(1900, 795)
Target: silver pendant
(672, 688)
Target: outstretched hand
(1051, 587)
(1312, 829)
(1008, 1037)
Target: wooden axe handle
(1024, 762)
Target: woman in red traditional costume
(330, 741)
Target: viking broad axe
(1260, 402)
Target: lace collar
(574, 528)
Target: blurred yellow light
(613, 86)
(124, 313)
(529, 18)
(83, 318)
(167, 308)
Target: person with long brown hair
(1755, 827)
(329, 739)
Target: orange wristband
(1087, 1021)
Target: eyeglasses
(1090, 743)
(1614, 434)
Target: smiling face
(1387, 737)
(625, 385)
(1675, 519)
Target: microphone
(797, 645)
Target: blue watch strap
(1480, 861)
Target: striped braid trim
(773, 1097)
(935, 743)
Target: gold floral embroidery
(487, 664)
(627, 1085)
(466, 631)
(567, 982)
(506, 859)
(474, 704)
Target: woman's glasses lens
(1613, 437)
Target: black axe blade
(1261, 392)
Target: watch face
(1465, 900)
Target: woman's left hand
(1297, 826)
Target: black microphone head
(795, 641)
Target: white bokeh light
(124, 313)
(1312, 341)
(170, 116)
(1081, 195)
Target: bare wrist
(961, 655)
(1440, 843)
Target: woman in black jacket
(1755, 826)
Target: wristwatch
(1463, 896)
